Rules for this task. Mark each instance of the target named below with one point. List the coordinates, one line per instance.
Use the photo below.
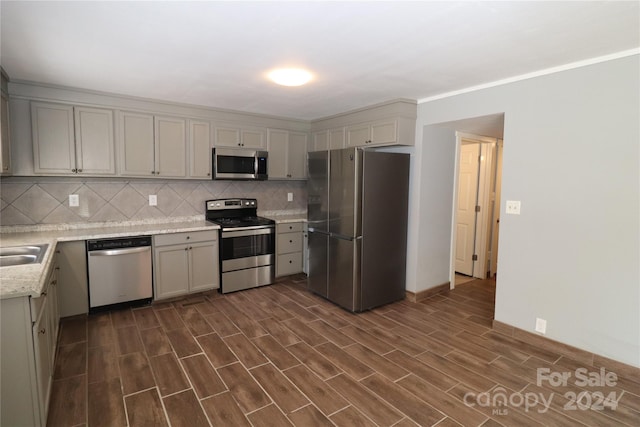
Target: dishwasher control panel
(123, 243)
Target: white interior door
(466, 207)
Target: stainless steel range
(247, 244)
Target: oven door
(247, 248)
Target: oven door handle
(249, 231)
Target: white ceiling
(216, 53)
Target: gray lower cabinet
(289, 248)
(29, 333)
(184, 263)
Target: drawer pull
(43, 330)
(290, 241)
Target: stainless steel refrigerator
(357, 217)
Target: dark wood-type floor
(278, 356)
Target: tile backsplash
(45, 200)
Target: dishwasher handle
(113, 252)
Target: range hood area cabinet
(233, 136)
(71, 140)
(287, 154)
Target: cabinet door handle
(290, 241)
(44, 294)
(190, 247)
(79, 170)
(186, 249)
(74, 170)
(43, 330)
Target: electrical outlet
(513, 207)
(74, 200)
(541, 325)
(289, 197)
(153, 200)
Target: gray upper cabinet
(94, 141)
(71, 140)
(136, 144)
(336, 138)
(320, 141)
(199, 149)
(53, 138)
(5, 138)
(152, 145)
(287, 154)
(375, 133)
(239, 137)
(327, 140)
(386, 124)
(170, 147)
(297, 155)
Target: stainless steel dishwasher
(119, 272)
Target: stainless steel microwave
(243, 164)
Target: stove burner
(235, 213)
(246, 221)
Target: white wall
(571, 155)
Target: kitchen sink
(21, 255)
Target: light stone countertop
(29, 279)
(283, 219)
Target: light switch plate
(153, 200)
(289, 197)
(74, 200)
(513, 207)
(541, 325)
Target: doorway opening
(484, 135)
(476, 207)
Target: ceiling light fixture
(290, 76)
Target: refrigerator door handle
(343, 237)
(315, 230)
